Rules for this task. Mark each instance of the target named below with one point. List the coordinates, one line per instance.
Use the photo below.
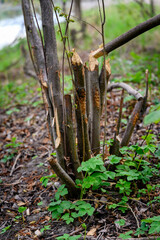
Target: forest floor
(24, 162)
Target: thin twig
(103, 20)
(87, 24)
(14, 165)
(134, 215)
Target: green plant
(45, 228)
(85, 230)
(126, 235)
(96, 175)
(12, 150)
(142, 229)
(40, 203)
(68, 211)
(68, 237)
(44, 180)
(124, 187)
(12, 110)
(120, 222)
(5, 229)
(154, 224)
(153, 116)
(22, 210)
(122, 205)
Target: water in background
(12, 29)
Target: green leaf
(62, 190)
(126, 235)
(155, 228)
(153, 117)
(40, 203)
(5, 229)
(94, 164)
(153, 219)
(66, 217)
(22, 209)
(54, 203)
(56, 215)
(90, 211)
(64, 237)
(121, 222)
(66, 204)
(114, 159)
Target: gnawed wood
(103, 81)
(131, 123)
(95, 105)
(80, 110)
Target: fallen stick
(14, 165)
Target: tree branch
(128, 88)
(64, 177)
(126, 37)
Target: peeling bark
(103, 81)
(88, 99)
(80, 101)
(114, 149)
(131, 124)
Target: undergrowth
(131, 176)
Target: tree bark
(64, 177)
(70, 138)
(38, 59)
(128, 88)
(53, 74)
(95, 105)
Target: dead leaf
(20, 203)
(92, 232)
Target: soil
(21, 184)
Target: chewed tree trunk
(72, 145)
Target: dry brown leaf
(92, 232)
(20, 203)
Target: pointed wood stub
(80, 110)
(103, 81)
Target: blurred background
(17, 77)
